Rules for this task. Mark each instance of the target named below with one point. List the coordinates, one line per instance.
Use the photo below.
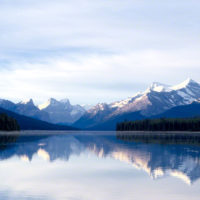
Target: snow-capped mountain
(62, 111)
(159, 97)
(87, 106)
(26, 108)
(155, 100)
(53, 111)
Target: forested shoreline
(8, 123)
(192, 124)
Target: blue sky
(94, 51)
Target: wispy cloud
(97, 77)
(94, 50)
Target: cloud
(97, 78)
(109, 25)
(95, 51)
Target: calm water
(97, 167)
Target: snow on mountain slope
(62, 111)
(189, 90)
(159, 97)
(155, 100)
(52, 111)
(184, 84)
(87, 106)
(158, 87)
(26, 108)
(120, 104)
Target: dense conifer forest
(192, 124)
(8, 123)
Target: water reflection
(85, 156)
(182, 161)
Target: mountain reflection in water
(159, 161)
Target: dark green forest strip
(8, 123)
(192, 124)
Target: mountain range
(62, 112)
(53, 111)
(158, 100)
(29, 123)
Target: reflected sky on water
(97, 166)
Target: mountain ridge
(155, 100)
(53, 111)
(28, 123)
(62, 112)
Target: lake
(97, 166)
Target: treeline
(8, 123)
(163, 124)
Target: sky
(93, 51)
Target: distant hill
(111, 123)
(28, 123)
(185, 111)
